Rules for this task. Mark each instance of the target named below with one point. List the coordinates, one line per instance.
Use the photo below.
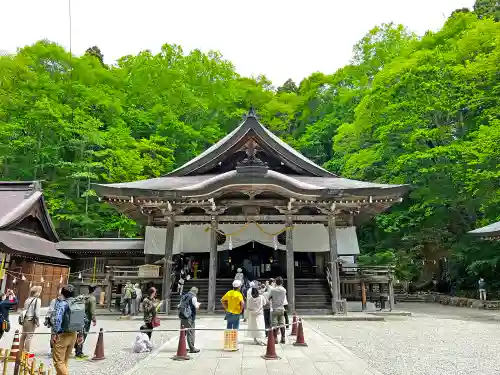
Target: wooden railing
(342, 303)
(371, 283)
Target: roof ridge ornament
(252, 164)
(251, 114)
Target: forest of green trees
(422, 110)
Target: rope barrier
(178, 330)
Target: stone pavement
(323, 356)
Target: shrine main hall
(254, 202)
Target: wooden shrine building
(28, 242)
(251, 190)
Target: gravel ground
(117, 346)
(434, 342)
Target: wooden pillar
(167, 263)
(332, 234)
(391, 290)
(363, 295)
(290, 265)
(148, 258)
(212, 272)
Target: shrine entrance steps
(310, 294)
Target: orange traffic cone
(271, 347)
(294, 325)
(15, 347)
(181, 354)
(99, 347)
(300, 335)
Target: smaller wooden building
(490, 232)
(28, 243)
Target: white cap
(239, 270)
(236, 283)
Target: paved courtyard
(118, 346)
(323, 356)
(436, 340)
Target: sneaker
(81, 356)
(194, 350)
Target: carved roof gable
(252, 132)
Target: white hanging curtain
(196, 239)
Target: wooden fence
(27, 366)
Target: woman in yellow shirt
(233, 304)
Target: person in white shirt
(30, 317)
(255, 308)
(138, 298)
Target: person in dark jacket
(7, 302)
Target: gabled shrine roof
(288, 170)
(18, 199)
(21, 201)
(264, 138)
(492, 230)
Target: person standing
(63, 336)
(267, 308)
(277, 294)
(482, 289)
(30, 317)
(90, 309)
(239, 275)
(7, 302)
(187, 314)
(149, 304)
(255, 265)
(233, 305)
(285, 313)
(138, 298)
(255, 308)
(127, 295)
(48, 320)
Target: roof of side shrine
(489, 231)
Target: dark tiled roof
(25, 243)
(492, 230)
(190, 182)
(17, 199)
(101, 244)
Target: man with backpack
(68, 319)
(128, 294)
(90, 307)
(187, 314)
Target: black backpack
(185, 311)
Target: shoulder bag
(5, 324)
(22, 316)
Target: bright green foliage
(421, 111)
(487, 8)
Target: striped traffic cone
(15, 347)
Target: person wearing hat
(187, 314)
(233, 305)
(90, 307)
(239, 275)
